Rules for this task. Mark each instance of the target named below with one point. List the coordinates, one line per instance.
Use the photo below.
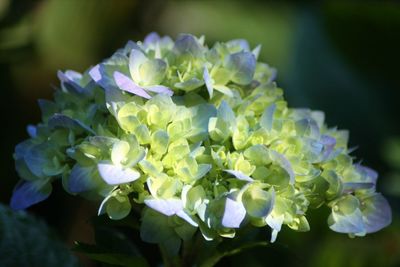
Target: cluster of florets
(200, 138)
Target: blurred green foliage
(337, 56)
(391, 153)
(272, 25)
(27, 241)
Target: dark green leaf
(95, 253)
(27, 241)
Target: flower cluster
(201, 138)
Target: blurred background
(341, 57)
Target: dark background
(341, 57)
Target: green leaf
(27, 241)
(155, 228)
(98, 254)
(221, 252)
(118, 259)
(185, 231)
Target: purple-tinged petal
(238, 45)
(208, 81)
(351, 187)
(160, 89)
(239, 175)
(115, 175)
(329, 143)
(349, 223)
(62, 77)
(70, 80)
(183, 215)
(102, 73)
(36, 157)
(29, 193)
(376, 213)
(126, 84)
(22, 148)
(32, 131)
(102, 207)
(256, 51)
(352, 149)
(188, 44)
(129, 46)
(276, 224)
(308, 127)
(267, 117)
(167, 207)
(242, 66)
(95, 73)
(234, 213)
(368, 174)
(80, 179)
(226, 113)
(334, 154)
(73, 75)
(136, 59)
(258, 202)
(346, 216)
(151, 38)
(63, 121)
(274, 74)
(69, 76)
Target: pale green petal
(119, 152)
(152, 72)
(118, 207)
(258, 202)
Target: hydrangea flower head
(201, 138)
